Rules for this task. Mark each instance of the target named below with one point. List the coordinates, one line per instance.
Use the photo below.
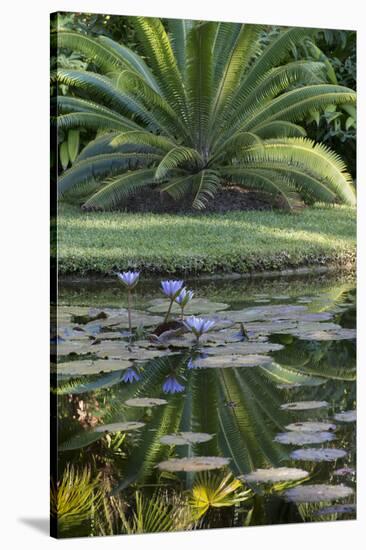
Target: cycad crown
(207, 108)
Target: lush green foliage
(102, 242)
(210, 105)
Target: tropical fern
(206, 107)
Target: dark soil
(226, 200)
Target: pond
(254, 424)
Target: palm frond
(119, 188)
(96, 168)
(179, 29)
(294, 105)
(206, 184)
(178, 157)
(199, 82)
(160, 54)
(279, 129)
(74, 497)
(315, 159)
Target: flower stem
(169, 310)
(129, 311)
(182, 315)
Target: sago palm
(205, 107)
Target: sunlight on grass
(240, 241)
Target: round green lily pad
(346, 416)
(228, 361)
(304, 405)
(197, 306)
(243, 348)
(317, 493)
(311, 427)
(119, 427)
(274, 475)
(303, 438)
(318, 455)
(185, 438)
(92, 367)
(194, 464)
(80, 347)
(145, 402)
(337, 509)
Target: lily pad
(274, 475)
(317, 493)
(337, 509)
(303, 438)
(123, 350)
(228, 361)
(262, 313)
(346, 416)
(145, 402)
(304, 405)
(311, 427)
(185, 438)
(343, 472)
(328, 335)
(318, 455)
(119, 319)
(193, 464)
(92, 367)
(243, 348)
(80, 347)
(119, 427)
(195, 307)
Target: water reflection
(279, 403)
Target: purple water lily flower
(198, 326)
(171, 385)
(129, 278)
(191, 365)
(171, 288)
(184, 297)
(130, 376)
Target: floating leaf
(228, 361)
(92, 367)
(145, 402)
(303, 438)
(322, 335)
(318, 455)
(80, 440)
(346, 416)
(311, 427)
(274, 475)
(124, 350)
(243, 348)
(337, 509)
(317, 493)
(195, 307)
(80, 347)
(304, 405)
(194, 464)
(185, 438)
(119, 427)
(346, 471)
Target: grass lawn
(103, 242)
